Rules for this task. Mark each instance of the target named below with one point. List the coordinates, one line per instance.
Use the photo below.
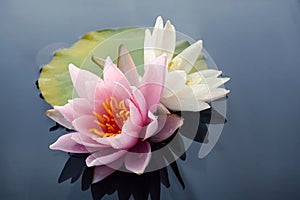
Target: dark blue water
(256, 43)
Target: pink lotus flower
(116, 118)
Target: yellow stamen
(96, 131)
(115, 115)
(107, 108)
(98, 116)
(106, 117)
(170, 65)
(99, 123)
(122, 105)
(188, 82)
(175, 64)
(113, 101)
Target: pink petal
(138, 158)
(104, 157)
(152, 127)
(75, 108)
(120, 92)
(112, 75)
(140, 102)
(79, 77)
(67, 144)
(92, 87)
(135, 115)
(84, 123)
(126, 139)
(162, 114)
(127, 66)
(102, 92)
(162, 110)
(81, 107)
(172, 123)
(132, 129)
(103, 171)
(152, 83)
(123, 140)
(87, 141)
(59, 118)
(66, 110)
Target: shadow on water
(127, 184)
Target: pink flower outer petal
(67, 144)
(113, 75)
(125, 140)
(66, 110)
(120, 92)
(79, 77)
(172, 123)
(103, 171)
(152, 83)
(104, 156)
(92, 87)
(127, 66)
(87, 141)
(59, 118)
(81, 107)
(84, 123)
(135, 115)
(152, 127)
(138, 158)
(140, 102)
(102, 92)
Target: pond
(255, 43)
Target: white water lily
(184, 90)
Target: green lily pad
(55, 83)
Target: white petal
(157, 36)
(185, 100)
(159, 23)
(210, 73)
(213, 82)
(149, 53)
(214, 94)
(168, 40)
(162, 40)
(186, 59)
(194, 78)
(175, 81)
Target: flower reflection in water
(128, 184)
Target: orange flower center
(112, 118)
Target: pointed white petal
(210, 73)
(213, 82)
(157, 36)
(159, 23)
(185, 100)
(186, 59)
(214, 94)
(149, 54)
(168, 40)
